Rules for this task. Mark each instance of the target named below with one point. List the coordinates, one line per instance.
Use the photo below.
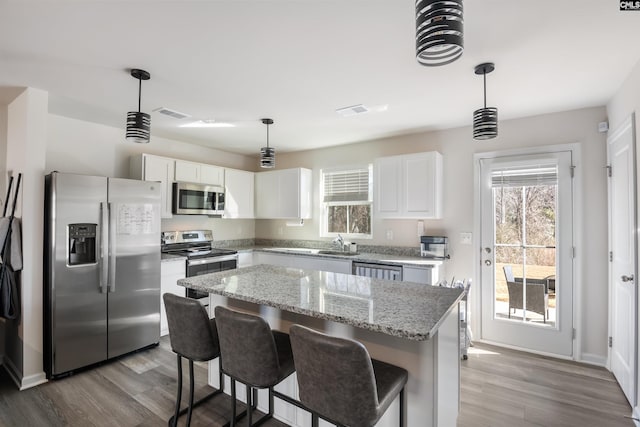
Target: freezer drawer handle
(104, 237)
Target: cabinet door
(160, 169)
(187, 171)
(388, 187)
(419, 185)
(170, 273)
(267, 195)
(213, 175)
(239, 194)
(289, 193)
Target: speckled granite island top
(400, 309)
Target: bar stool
(254, 355)
(195, 337)
(340, 383)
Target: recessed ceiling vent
(171, 113)
(352, 110)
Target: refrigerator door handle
(104, 239)
(112, 250)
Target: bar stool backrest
(247, 347)
(193, 335)
(335, 377)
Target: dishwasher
(377, 271)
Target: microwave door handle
(112, 250)
(104, 242)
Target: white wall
(26, 141)
(77, 146)
(3, 192)
(458, 148)
(625, 102)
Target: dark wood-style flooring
(499, 388)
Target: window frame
(324, 223)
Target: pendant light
(139, 123)
(267, 154)
(485, 120)
(439, 31)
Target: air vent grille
(171, 113)
(352, 110)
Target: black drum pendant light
(267, 154)
(439, 31)
(138, 123)
(485, 120)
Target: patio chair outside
(537, 294)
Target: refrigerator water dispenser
(82, 244)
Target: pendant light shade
(139, 123)
(439, 31)
(267, 154)
(485, 120)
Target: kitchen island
(408, 324)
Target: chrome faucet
(340, 241)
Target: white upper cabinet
(198, 172)
(283, 194)
(155, 168)
(239, 194)
(409, 186)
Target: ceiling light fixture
(139, 123)
(267, 154)
(207, 124)
(439, 31)
(485, 120)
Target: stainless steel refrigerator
(101, 269)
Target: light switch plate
(466, 238)
(389, 234)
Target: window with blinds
(527, 177)
(347, 197)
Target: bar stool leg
(191, 389)
(314, 420)
(233, 403)
(402, 407)
(179, 396)
(249, 404)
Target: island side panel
(433, 387)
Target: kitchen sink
(337, 253)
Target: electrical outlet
(389, 234)
(280, 231)
(465, 238)
(420, 228)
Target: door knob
(487, 262)
(627, 278)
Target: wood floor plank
(499, 388)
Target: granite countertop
(360, 257)
(170, 257)
(400, 309)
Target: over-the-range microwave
(197, 199)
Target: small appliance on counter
(434, 247)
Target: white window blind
(531, 176)
(352, 185)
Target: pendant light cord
(267, 135)
(484, 75)
(139, 93)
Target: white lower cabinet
(245, 259)
(170, 273)
(429, 275)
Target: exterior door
(622, 246)
(527, 251)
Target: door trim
(475, 297)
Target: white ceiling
(297, 61)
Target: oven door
(197, 199)
(198, 267)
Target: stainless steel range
(201, 257)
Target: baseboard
(636, 416)
(593, 359)
(25, 382)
